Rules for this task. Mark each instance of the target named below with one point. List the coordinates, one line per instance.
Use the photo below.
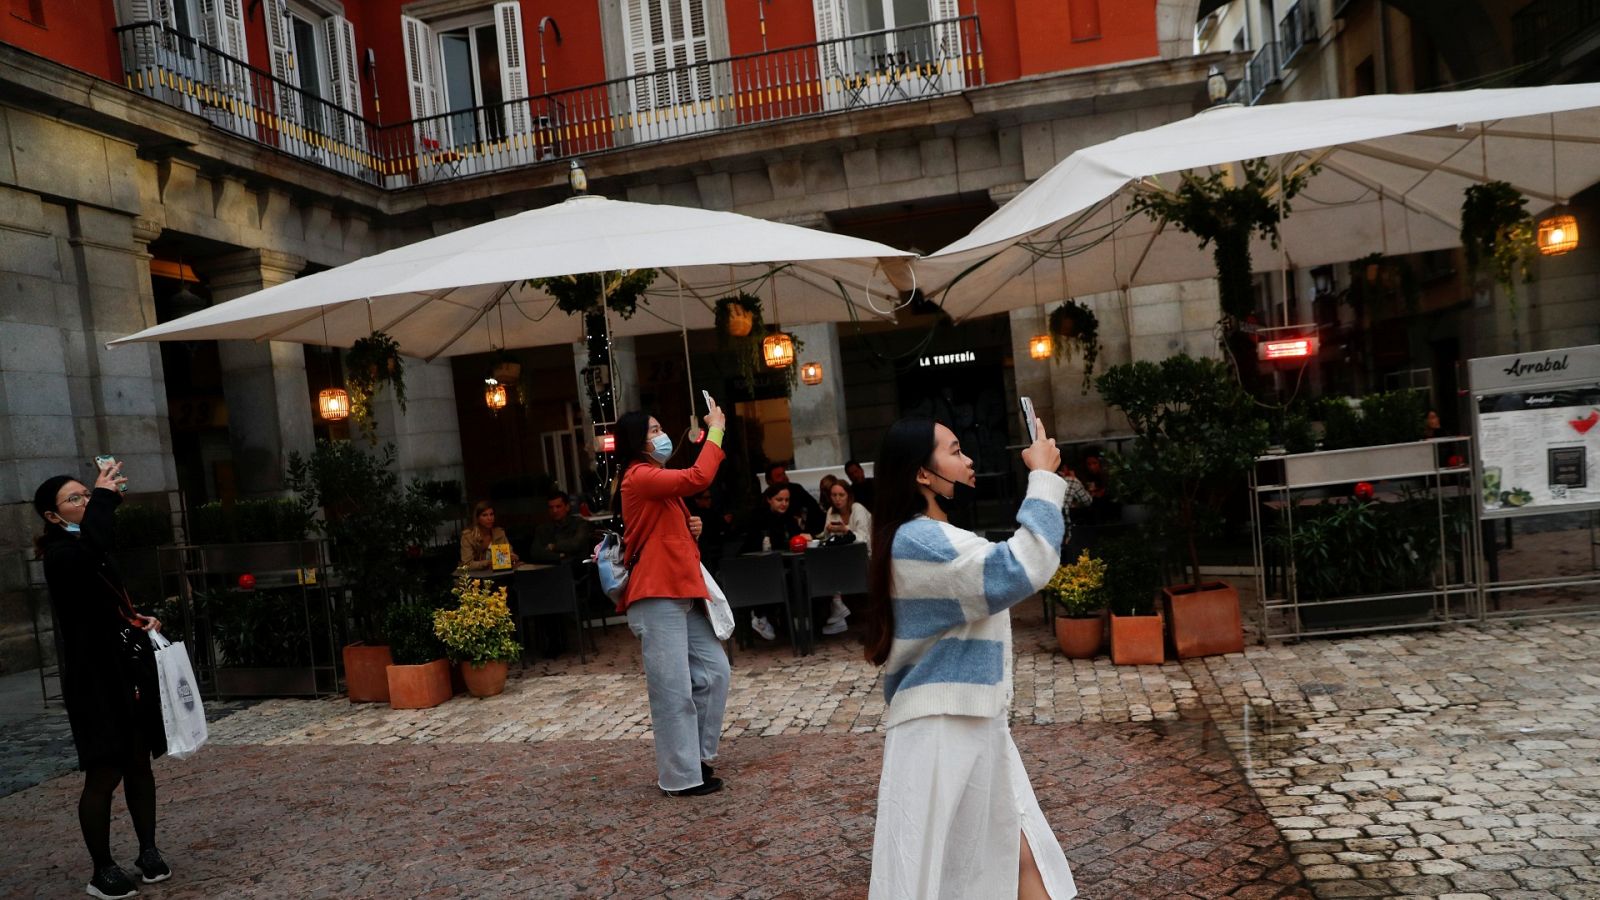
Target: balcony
(1298, 30)
(1259, 74)
(874, 69)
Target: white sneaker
(835, 628)
(761, 626)
(840, 611)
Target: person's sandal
(709, 786)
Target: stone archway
(1175, 21)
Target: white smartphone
(707, 395)
(106, 461)
(1028, 419)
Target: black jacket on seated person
(571, 538)
(780, 527)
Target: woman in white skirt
(957, 817)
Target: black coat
(108, 668)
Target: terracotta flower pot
(419, 687)
(485, 679)
(740, 320)
(1136, 640)
(1081, 638)
(365, 680)
(1205, 619)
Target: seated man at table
(476, 540)
(565, 537)
(860, 484)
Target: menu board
(1539, 449)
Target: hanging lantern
(1041, 346)
(1558, 234)
(494, 394)
(333, 404)
(811, 373)
(778, 350)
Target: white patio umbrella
(1393, 168)
(463, 292)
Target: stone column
(816, 411)
(427, 436)
(269, 402)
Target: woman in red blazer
(685, 667)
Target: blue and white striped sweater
(952, 636)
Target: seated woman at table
(845, 515)
(777, 520)
(475, 541)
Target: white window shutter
(513, 65)
(699, 47)
(422, 47)
(146, 46)
(224, 30)
(832, 59)
(636, 44)
(947, 37)
(281, 51)
(344, 80)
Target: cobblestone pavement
(1458, 763)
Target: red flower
(1364, 490)
(247, 582)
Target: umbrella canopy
(463, 292)
(1392, 172)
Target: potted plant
(478, 634)
(1196, 433)
(739, 315)
(578, 294)
(1128, 585)
(1078, 592)
(1496, 226)
(370, 363)
(420, 675)
(370, 520)
(1225, 210)
(1077, 330)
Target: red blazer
(657, 528)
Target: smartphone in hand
(707, 395)
(105, 461)
(1029, 419)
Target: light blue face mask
(71, 527)
(660, 448)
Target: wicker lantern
(778, 350)
(1558, 234)
(811, 373)
(494, 394)
(1041, 346)
(333, 404)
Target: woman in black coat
(108, 672)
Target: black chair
(834, 570)
(550, 591)
(752, 581)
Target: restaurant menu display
(1539, 449)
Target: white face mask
(660, 448)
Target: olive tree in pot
(1196, 432)
(371, 522)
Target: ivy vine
(578, 294)
(1226, 215)
(372, 362)
(1076, 331)
(1496, 225)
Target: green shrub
(142, 526)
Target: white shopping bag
(181, 712)
(717, 603)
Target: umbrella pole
(611, 361)
(688, 362)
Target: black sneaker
(709, 786)
(706, 772)
(152, 866)
(111, 883)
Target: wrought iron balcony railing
(865, 70)
(1298, 30)
(1259, 74)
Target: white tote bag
(181, 712)
(717, 603)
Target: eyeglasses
(75, 500)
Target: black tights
(94, 806)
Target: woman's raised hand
(716, 418)
(1042, 455)
(110, 477)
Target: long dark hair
(907, 447)
(632, 432)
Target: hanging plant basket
(578, 294)
(1077, 332)
(1225, 215)
(370, 363)
(1496, 226)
